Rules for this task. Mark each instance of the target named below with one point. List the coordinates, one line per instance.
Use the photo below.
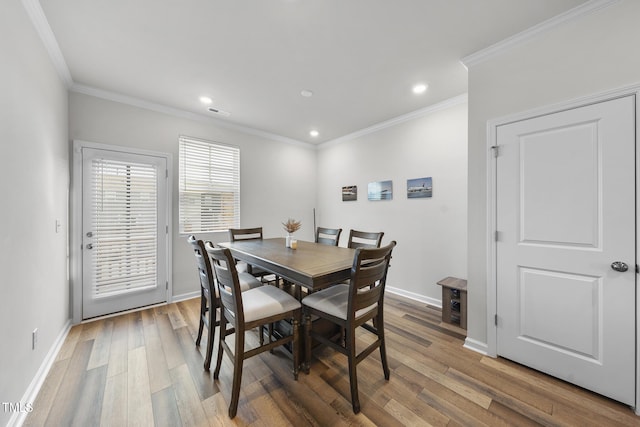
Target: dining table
(311, 265)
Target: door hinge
(637, 269)
(166, 287)
(496, 150)
(166, 229)
(496, 235)
(166, 173)
(495, 319)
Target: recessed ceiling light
(306, 93)
(419, 88)
(314, 133)
(206, 100)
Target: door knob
(619, 266)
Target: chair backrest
(224, 269)
(328, 236)
(204, 266)
(245, 234)
(364, 239)
(368, 278)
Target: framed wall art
(380, 190)
(418, 188)
(349, 193)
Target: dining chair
(254, 233)
(209, 299)
(364, 239)
(351, 306)
(247, 310)
(328, 236)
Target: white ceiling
(254, 57)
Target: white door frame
(75, 239)
(492, 125)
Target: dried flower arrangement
(291, 226)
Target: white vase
(288, 240)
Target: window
(209, 186)
(124, 223)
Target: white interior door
(124, 231)
(565, 213)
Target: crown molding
(517, 39)
(451, 102)
(39, 21)
(176, 112)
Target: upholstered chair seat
(266, 301)
(334, 301)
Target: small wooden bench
(454, 301)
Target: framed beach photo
(349, 193)
(380, 190)
(418, 188)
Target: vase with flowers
(291, 226)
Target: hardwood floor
(143, 368)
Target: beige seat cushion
(333, 301)
(243, 267)
(248, 281)
(267, 301)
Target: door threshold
(119, 313)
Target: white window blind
(209, 186)
(124, 215)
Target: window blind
(209, 186)
(124, 213)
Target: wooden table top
(312, 265)
(453, 283)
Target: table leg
(463, 309)
(446, 304)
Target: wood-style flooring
(143, 368)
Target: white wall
(431, 232)
(278, 180)
(592, 54)
(34, 182)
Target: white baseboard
(184, 297)
(477, 346)
(411, 295)
(416, 297)
(469, 343)
(31, 393)
(18, 418)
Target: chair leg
(222, 335)
(200, 329)
(203, 310)
(210, 337)
(383, 347)
(353, 377)
(237, 373)
(295, 345)
(307, 342)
